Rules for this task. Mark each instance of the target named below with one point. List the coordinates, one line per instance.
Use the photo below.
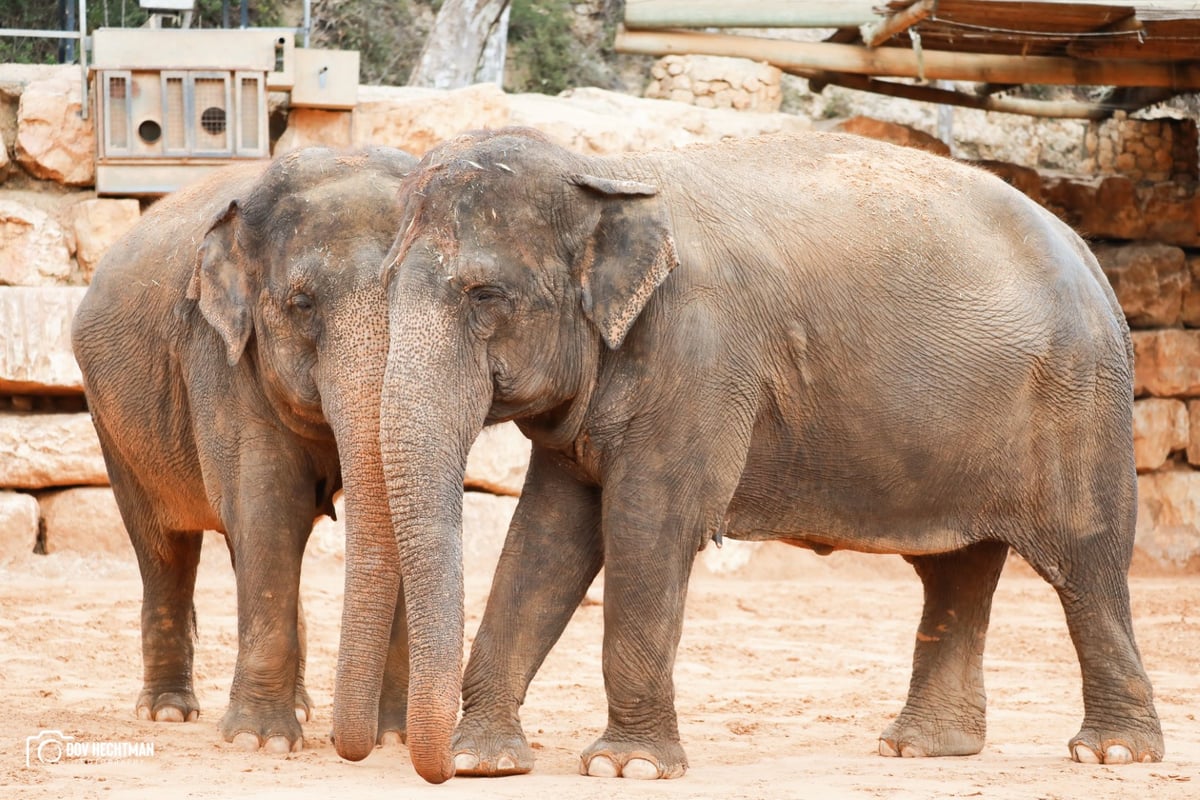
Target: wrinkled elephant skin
(232, 346)
(820, 339)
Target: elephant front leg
(267, 696)
(944, 715)
(168, 564)
(550, 557)
(649, 553)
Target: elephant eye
(302, 302)
(486, 294)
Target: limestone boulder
(97, 223)
(54, 142)
(1168, 525)
(1190, 314)
(35, 340)
(84, 520)
(498, 460)
(415, 119)
(1120, 208)
(1193, 448)
(1160, 427)
(45, 450)
(34, 249)
(18, 524)
(892, 132)
(1166, 363)
(485, 525)
(4, 159)
(1150, 280)
(598, 122)
(310, 127)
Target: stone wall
(1142, 149)
(716, 82)
(53, 230)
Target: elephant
(232, 346)
(818, 339)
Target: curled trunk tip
(354, 742)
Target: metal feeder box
(173, 104)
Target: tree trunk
(466, 45)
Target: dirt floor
(786, 675)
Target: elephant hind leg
(1120, 724)
(168, 563)
(945, 711)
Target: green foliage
(388, 34)
(45, 16)
(543, 51)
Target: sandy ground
(786, 675)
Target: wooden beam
(876, 33)
(927, 94)
(760, 14)
(903, 63)
(1153, 49)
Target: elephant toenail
(247, 741)
(302, 714)
(279, 744)
(1084, 754)
(505, 763)
(169, 714)
(145, 714)
(465, 762)
(393, 738)
(602, 767)
(911, 751)
(1118, 754)
(886, 749)
(640, 769)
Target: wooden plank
(929, 94)
(876, 33)
(761, 14)
(904, 63)
(1177, 40)
(1007, 15)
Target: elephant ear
(222, 286)
(630, 253)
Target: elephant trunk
(427, 426)
(350, 400)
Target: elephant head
(517, 266)
(295, 296)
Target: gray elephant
(232, 347)
(823, 340)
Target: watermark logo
(51, 747)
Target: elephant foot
(480, 754)
(393, 725)
(1097, 745)
(608, 759)
(274, 732)
(167, 706)
(911, 737)
(304, 705)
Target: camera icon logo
(47, 747)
